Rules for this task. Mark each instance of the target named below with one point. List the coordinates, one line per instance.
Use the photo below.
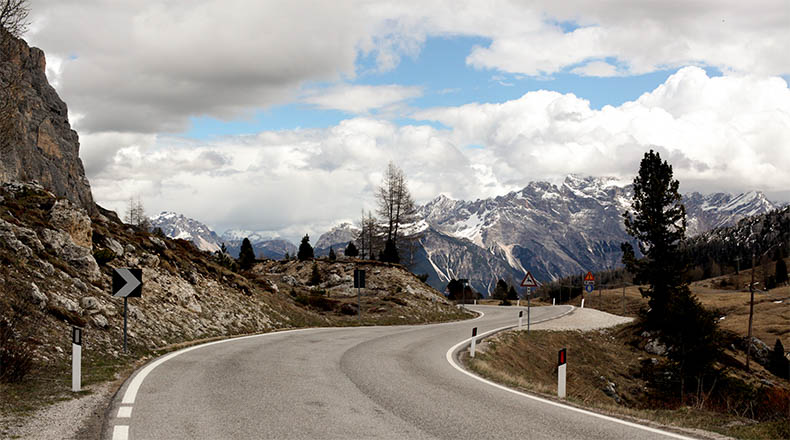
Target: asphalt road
(343, 383)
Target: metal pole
(529, 307)
(124, 323)
(751, 314)
(623, 300)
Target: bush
(16, 354)
(315, 276)
(103, 256)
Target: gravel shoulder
(584, 320)
(70, 419)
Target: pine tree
(246, 255)
(332, 256)
(305, 250)
(781, 271)
(658, 223)
(511, 293)
(500, 290)
(777, 362)
(454, 289)
(315, 275)
(351, 250)
(390, 253)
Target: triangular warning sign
(529, 281)
(589, 277)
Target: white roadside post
(561, 365)
(582, 303)
(553, 301)
(472, 347)
(520, 318)
(76, 359)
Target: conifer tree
(511, 293)
(777, 362)
(390, 252)
(332, 256)
(246, 255)
(781, 271)
(305, 250)
(315, 275)
(351, 250)
(500, 290)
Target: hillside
(56, 272)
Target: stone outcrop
(37, 142)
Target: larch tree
(395, 206)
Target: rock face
(37, 142)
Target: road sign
(359, 278)
(529, 281)
(127, 283)
(589, 277)
(589, 287)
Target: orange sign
(589, 277)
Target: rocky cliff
(36, 140)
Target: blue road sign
(589, 288)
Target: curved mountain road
(343, 383)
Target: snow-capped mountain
(265, 245)
(175, 225)
(337, 238)
(550, 230)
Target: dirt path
(583, 319)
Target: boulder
(100, 321)
(74, 221)
(89, 303)
(36, 296)
(114, 246)
(653, 346)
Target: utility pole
(751, 315)
(737, 264)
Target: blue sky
(441, 70)
(265, 118)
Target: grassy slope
(614, 355)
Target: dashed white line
(124, 412)
(120, 432)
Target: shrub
(315, 276)
(16, 354)
(103, 256)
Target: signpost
(529, 283)
(472, 347)
(561, 365)
(76, 359)
(127, 283)
(589, 284)
(359, 283)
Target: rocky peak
(37, 142)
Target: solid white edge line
(120, 432)
(457, 346)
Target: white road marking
(124, 412)
(452, 362)
(120, 432)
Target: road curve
(342, 383)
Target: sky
(281, 116)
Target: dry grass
(595, 358)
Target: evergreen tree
(390, 253)
(246, 255)
(511, 293)
(315, 275)
(454, 289)
(658, 223)
(305, 250)
(287, 256)
(781, 271)
(351, 250)
(778, 364)
(332, 256)
(500, 290)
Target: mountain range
(547, 229)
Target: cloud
(361, 99)
(596, 68)
(723, 133)
(148, 68)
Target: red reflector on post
(562, 359)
